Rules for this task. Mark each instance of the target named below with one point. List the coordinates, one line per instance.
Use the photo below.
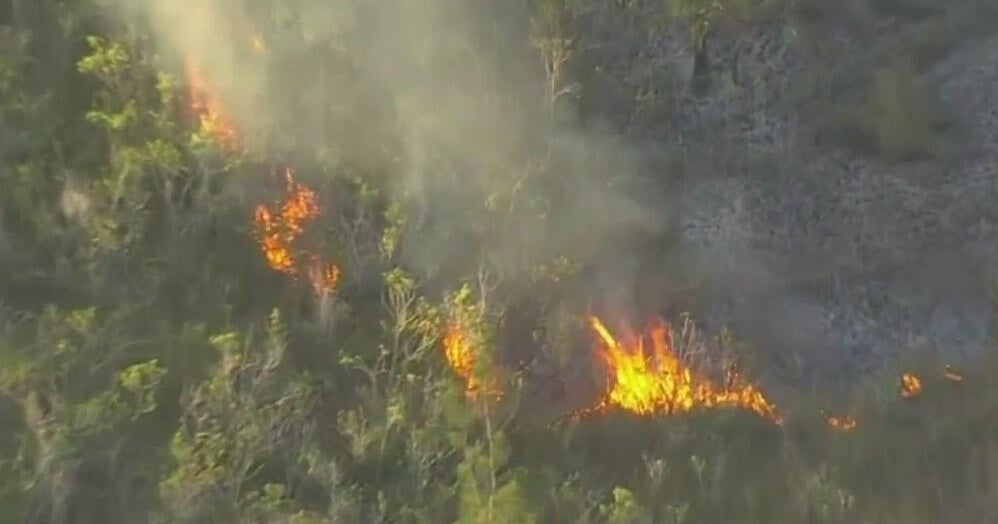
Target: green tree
(82, 403)
(247, 442)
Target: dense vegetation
(153, 368)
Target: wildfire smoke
(205, 105)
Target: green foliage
(486, 497)
(107, 60)
(141, 382)
(394, 227)
(401, 433)
(624, 509)
(83, 394)
(248, 421)
(702, 14)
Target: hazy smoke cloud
(445, 98)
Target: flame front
(205, 105)
(661, 384)
(278, 230)
(911, 385)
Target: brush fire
(645, 375)
(279, 229)
(646, 381)
(653, 380)
(205, 106)
(462, 355)
(911, 385)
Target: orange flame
(206, 105)
(842, 424)
(661, 383)
(911, 385)
(953, 375)
(278, 231)
(323, 276)
(462, 357)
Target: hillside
(479, 262)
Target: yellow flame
(659, 383)
(462, 356)
(459, 353)
(911, 385)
